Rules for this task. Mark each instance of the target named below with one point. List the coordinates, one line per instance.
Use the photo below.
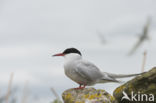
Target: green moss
(119, 89)
(152, 86)
(79, 102)
(68, 98)
(112, 98)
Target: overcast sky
(31, 31)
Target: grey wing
(101, 37)
(136, 46)
(88, 71)
(143, 37)
(108, 78)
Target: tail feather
(122, 75)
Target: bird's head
(69, 53)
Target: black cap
(71, 50)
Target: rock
(56, 101)
(141, 89)
(87, 95)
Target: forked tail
(122, 75)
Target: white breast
(70, 66)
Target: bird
(144, 36)
(101, 37)
(84, 72)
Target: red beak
(59, 54)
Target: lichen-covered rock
(87, 95)
(141, 89)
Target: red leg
(81, 87)
(84, 86)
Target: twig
(25, 93)
(55, 94)
(144, 61)
(9, 88)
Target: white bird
(144, 36)
(101, 37)
(84, 72)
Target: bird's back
(82, 71)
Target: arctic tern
(84, 72)
(144, 36)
